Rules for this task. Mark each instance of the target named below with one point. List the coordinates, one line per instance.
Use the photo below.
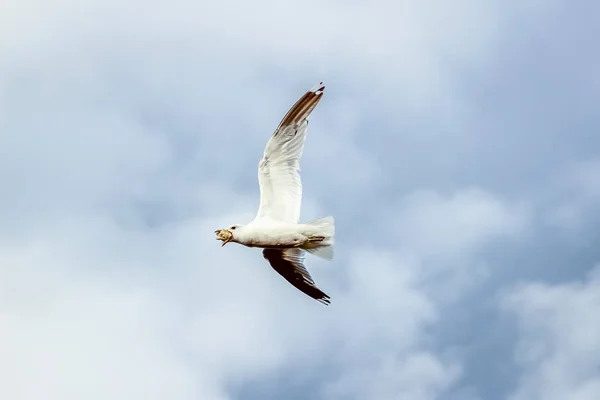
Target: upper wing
(278, 177)
(289, 263)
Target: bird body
(276, 227)
(281, 235)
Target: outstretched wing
(278, 177)
(289, 263)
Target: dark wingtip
(325, 302)
(323, 298)
(300, 111)
(318, 89)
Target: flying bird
(276, 228)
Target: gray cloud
(559, 344)
(453, 146)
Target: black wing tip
(324, 300)
(318, 89)
(321, 297)
(300, 111)
(314, 292)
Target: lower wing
(289, 263)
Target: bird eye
(232, 228)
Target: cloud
(68, 333)
(418, 376)
(447, 225)
(575, 196)
(99, 310)
(117, 164)
(559, 344)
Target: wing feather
(289, 263)
(278, 170)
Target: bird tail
(321, 237)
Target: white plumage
(276, 226)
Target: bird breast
(275, 238)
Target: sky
(456, 145)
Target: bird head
(226, 235)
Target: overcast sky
(457, 146)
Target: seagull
(276, 228)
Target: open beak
(224, 235)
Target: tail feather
(325, 252)
(320, 243)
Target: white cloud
(102, 105)
(68, 334)
(126, 312)
(449, 225)
(419, 376)
(445, 234)
(559, 345)
(382, 333)
(414, 47)
(96, 310)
